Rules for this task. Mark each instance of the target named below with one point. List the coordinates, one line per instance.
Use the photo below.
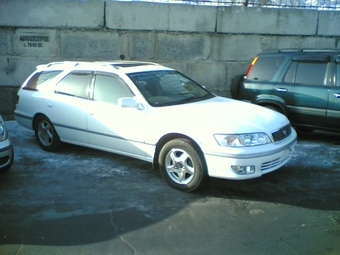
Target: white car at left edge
(156, 114)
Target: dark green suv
(302, 84)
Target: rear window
(265, 67)
(40, 79)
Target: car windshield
(161, 88)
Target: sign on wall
(34, 42)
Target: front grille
(282, 133)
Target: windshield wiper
(206, 96)
(188, 99)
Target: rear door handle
(281, 90)
(337, 95)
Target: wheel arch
(272, 101)
(36, 116)
(168, 137)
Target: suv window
(75, 84)
(311, 73)
(39, 79)
(109, 89)
(265, 67)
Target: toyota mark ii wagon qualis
(156, 114)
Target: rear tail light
(251, 66)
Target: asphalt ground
(84, 201)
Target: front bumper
(219, 166)
(6, 154)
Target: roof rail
(114, 63)
(304, 50)
(322, 50)
(71, 63)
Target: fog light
(243, 169)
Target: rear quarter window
(40, 79)
(265, 68)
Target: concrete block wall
(210, 44)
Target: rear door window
(309, 73)
(76, 84)
(265, 68)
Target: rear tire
(182, 165)
(46, 135)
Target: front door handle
(337, 95)
(281, 90)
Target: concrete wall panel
(329, 23)
(41, 13)
(250, 45)
(142, 46)
(181, 47)
(83, 44)
(6, 39)
(137, 16)
(212, 76)
(266, 21)
(181, 18)
(224, 45)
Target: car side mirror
(129, 102)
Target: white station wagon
(156, 114)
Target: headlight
(240, 140)
(3, 133)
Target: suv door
(304, 88)
(333, 113)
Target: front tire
(46, 135)
(182, 165)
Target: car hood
(221, 115)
